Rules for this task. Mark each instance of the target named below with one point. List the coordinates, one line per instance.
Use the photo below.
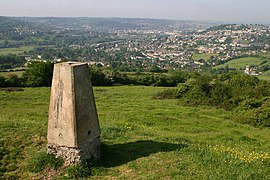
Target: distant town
(134, 44)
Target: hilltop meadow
(142, 138)
(172, 97)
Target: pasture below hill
(241, 63)
(18, 51)
(143, 138)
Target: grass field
(19, 50)
(205, 56)
(6, 74)
(143, 138)
(264, 77)
(241, 63)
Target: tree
(98, 78)
(38, 74)
(14, 81)
(155, 69)
(2, 81)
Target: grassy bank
(241, 63)
(19, 50)
(142, 137)
(205, 56)
(7, 74)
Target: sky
(253, 11)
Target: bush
(178, 76)
(167, 94)
(254, 112)
(3, 82)
(221, 95)
(108, 77)
(246, 95)
(14, 81)
(250, 104)
(262, 117)
(98, 77)
(38, 74)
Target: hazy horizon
(240, 11)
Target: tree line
(40, 74)
(11, 60)
(246, 96)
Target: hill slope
(241, 63)
(142, 137)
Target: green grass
(265, 55)
(7, 74)
(241, 63)
(19, 50)
(143, 138)
(205, 56)
(245, 42)
(264, 77)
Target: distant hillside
(9, 25)
(9, 22)
(13, 24)
(234, 27)
(15, 32)
(117, 23)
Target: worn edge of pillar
(80, 154)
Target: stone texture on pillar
(73, 126)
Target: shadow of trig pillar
(73, 126)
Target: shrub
(178, 76)
(220, 95)
(98, 77)
(250, 104)
(255, 112)
(247, 95)
(166, 94)
(262, 117)
(14, 81)
(3, 82)
(38, 74)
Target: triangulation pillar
(73, 126)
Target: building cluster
(176, 49)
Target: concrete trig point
(73, 127)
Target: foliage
(10, 61)
(11, 81)
(228, 91)
(38, 74)
(167, 94)
(155, 69)
(255, 112)
(3, 81)
(108, 77)
(98, 78)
